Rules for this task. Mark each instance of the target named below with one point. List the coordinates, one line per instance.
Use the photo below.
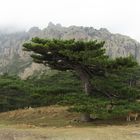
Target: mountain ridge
(14, 60)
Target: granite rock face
(14, 60)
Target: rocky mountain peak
(14, 60)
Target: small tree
(87, 59)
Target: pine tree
(86, 58)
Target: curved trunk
(87, 87)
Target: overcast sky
(118, 16)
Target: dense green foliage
(109, 83)
(65, 88)
(112, 86)
(68, 54)
(13, 93)
(47, 90)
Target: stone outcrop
(14, 60)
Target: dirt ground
(54, 123)
(129, 132)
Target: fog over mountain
(9, 29)
(14, 60)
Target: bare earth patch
(71, 133)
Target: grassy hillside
(41, 116)
(56, 123)
(54, 116)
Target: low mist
(9, 29)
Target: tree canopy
(106, 80)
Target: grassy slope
(54, 115)
(54, 123)
(42, 116)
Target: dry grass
(53, 123)
(42, 116)
(73, 133)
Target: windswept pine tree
(86, 58)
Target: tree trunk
(85, 78)
(85, 117)
(87, 87)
